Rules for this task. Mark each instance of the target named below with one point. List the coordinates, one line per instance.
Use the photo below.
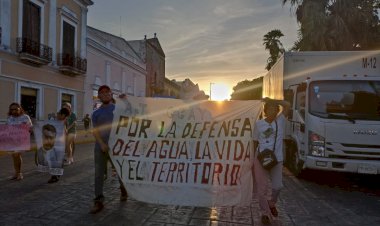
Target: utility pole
(211, 83)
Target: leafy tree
(337, 24)
(272, 43)
(248, 90)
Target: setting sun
(219, 92)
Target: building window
(31, 25)
(68, 39)
(68, 44)
(67, 98)
(29, 101)
(130, 90)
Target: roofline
(126, 42)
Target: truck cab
(334, 124)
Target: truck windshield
(349, 100)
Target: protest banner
(50, 139)
(196, 153)
(14, 138)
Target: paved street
(318, 199)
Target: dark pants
(101, 159)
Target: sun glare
(219, 92)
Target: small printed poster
(50, 139)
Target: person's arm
(285, 107)
(255, 138)
(123, 96)
(29, 122)
(74, 121)
(99, 139)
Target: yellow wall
(50, 105)
(7, 93)
(80, 103)
(44, 75)
(48, 77)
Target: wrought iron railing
(26, 45)
(72, 61)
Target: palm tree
(272, 43)
(337, 24)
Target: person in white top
(17, 116)
(268, 134)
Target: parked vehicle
(334, 123)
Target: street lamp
(211, 83)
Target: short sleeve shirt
(265, 133)
(102, 118)
(22, 119)
(70, 120)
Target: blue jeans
(100, 167)
(101, 159)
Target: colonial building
(42, 55)
(152, 54)
(113, 62)
(189, 90)
(171, 89)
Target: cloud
(167, 9)
(204, 40)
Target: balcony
(33, 52)
(71, 65)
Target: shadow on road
(345, 181)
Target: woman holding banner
(17, 116)
(268, 135)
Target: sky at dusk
(217, 42)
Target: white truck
(334, 123)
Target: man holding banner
(102, 123)
(185, 152)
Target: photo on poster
(50, 139)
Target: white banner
(50, 139)
(171, 151)
(14, 138)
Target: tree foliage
(248, 90)
(272, 42)
(334, 25)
